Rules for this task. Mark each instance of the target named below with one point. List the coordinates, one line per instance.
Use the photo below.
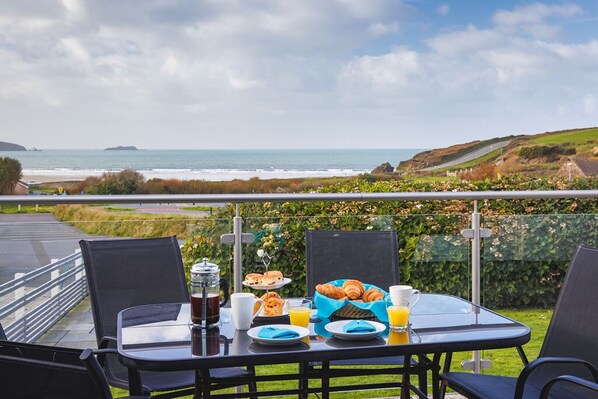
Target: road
(471, 156)
(29, 241)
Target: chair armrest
(533, 366)
(105, 341)
(591, 386)
(135, 383)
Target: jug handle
(224, 287)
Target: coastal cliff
(4, 146)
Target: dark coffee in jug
(212, 308)
(205, 342)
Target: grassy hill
(536, 155)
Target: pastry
(353, 288)
(372, 295)
(330, 291)
(273, 304)
(272, 277)
(253, 279)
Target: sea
(208, 165)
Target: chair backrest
(37, 371)
(130, 272)
(574, 325)
(369, 256)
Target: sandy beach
(36, 179)
(206, 175)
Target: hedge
(523, 263)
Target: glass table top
(438, 323)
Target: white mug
(404, 294)
(242, 304)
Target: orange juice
(299, 316)
(398, 317)
(398, 337)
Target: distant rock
(384, 168)
(4, 146)
(122, 147)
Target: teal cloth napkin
(277, 333)
(358, 326)
(327, 306)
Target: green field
(576, 137)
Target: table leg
(325, 380)
(405, 391)
(448, 357)
(303, 380)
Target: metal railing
(33, 302)
(237, 238)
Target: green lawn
(577, 137)
(504, 361)
(12, 209)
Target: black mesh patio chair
(130, 272)
(38, 371)
(585, 387)
(369, 256)
(570, 345)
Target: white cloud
(443, 10)
(532, 19)
(290, 72)
(74, 47)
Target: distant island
(122, 148)
(4, 146)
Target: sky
(249, 74)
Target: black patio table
(160, 337)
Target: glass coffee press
(205, 289)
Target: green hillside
(539, 154)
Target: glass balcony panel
(525, 260)
(430, 247)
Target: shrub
(523, 263)
(539, 151)
(10, 174)
(127, 181)
(482, 172)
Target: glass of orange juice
(398, 314)
(299, 311)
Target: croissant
(330, 291)
(353, 288)
(372, 295)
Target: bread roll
(253, 279)
(272, 277)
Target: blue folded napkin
(358, 326)
(277, 333)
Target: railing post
(475, 234)
(475, 273)
(19, 294)
(54, 274)
(238, 250)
